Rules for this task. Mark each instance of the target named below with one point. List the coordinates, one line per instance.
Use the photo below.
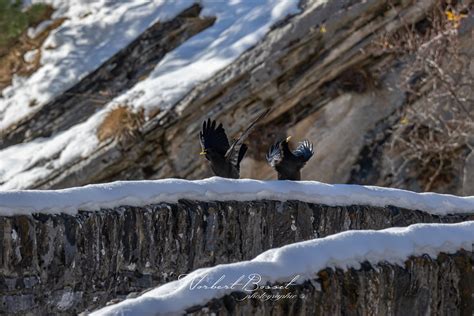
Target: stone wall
(422, 287)
(66, 264)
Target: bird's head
(285, 144)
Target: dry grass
(121, 123)
(12, 61)
(433, 144)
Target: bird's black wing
(213, 137)
(304, 151)
(234, 153)
(275, 154)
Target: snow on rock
(239, 26)
(298, 262)
(30, 56)
(92, 33)
(33, 32)
(139, 193)
(19, 164)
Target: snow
(298, 262)
(92, 33)
(239, 26)
(30, 56)
(14, 235)
(140, 193)
(19, 164)
(34, 32)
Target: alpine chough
(287, 163)
(224, 158)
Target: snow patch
(301, 261)
(30, 56)
(239, 26)
(33, 32)
(132, 267)
(18, 162)
(14, 235)
(140, 193)
(92, 33)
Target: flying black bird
(223, 158)
(288, 163)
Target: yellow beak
(202, 152)
(288, 139)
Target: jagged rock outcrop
(66, 264)
(319, 72)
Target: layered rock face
(115, 76)
(318, 71)
(68, 264)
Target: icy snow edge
(140, 193)
(303, 259)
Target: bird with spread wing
(224, 158)
(287, 163)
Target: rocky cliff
(68, 264)
(330, 73)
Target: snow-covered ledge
(139, 193)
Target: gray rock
(468, 175)
(423, 286)
(67, 264)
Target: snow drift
(138, 193)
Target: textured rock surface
(62, 263)
(118, 74)
(328, 86)
(295, 69)
(422, 287)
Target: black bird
(223, 158)
(288, 163)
